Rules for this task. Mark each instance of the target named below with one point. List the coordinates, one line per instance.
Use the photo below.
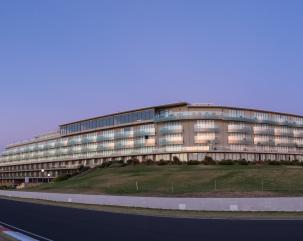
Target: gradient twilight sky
(66, 60)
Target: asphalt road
(59, 223)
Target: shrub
(193, 162)
(62, 178)
(104, 164)
(133, 161)
(117, 164)
(227, 162)
(269, 162)
(209, 161)
(243, 162)
(163, 162)
(176, 160)
(291, 163)
(83, 168)
(149, 162)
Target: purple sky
(62, 62)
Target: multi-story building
(187, 131)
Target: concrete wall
(283, 204)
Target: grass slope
(185, 180)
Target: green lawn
(185, 180)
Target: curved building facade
(187, 131)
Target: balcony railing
(239, 129)
(206, 129)
(163, 142)
(264, 131)
(124, 145)
(264, 142)
(169, 130)
(123, 135)
(287, 144)
(288, 133)
(222, 116)
(298, 134)
(299, 144)
(243, 141)
(144, 132)
(201, 140)
(104, 138)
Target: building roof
(123, 112)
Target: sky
(62, 61)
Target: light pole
(48, 175)
(42, 170)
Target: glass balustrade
(170, 130)
(239, 129)
(222, 116)
(263, 130)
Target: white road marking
(24, 231)
(19, 236)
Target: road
(60, 223)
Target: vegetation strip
(194, 180)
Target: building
(183, 130)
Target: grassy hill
(185, 180)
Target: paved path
(59, 223)
(290, 204)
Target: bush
(227, 162)
(133, 161)
(243, 162)
(176, 160)
(269, 162)
(83, 168)
(104, 164)
(209, 161)
(291, 163)
(149, 162)
(117, 164)
(62, 178)
(193, 162)
(163, 162)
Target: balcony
(87, 140)
(264, 142)
(145, 143)
(299, 144)
(239, 129)
(105, 138)
(206, 140)
(123, 145)
(188, 115)
(298, 134)
(222, 116)
(238, 141)
(73, 142)
(170, 130)
(284, 143)
(288, 133)
(163, 142)
(121, 135)
(206, 129)
(150, 132)
(267, 131)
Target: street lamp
(42, 170)
(48, 177)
